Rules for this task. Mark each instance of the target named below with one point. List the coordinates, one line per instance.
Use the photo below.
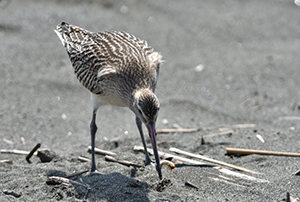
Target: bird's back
(110, 62)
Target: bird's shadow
(109, 187)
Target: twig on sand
(178, 130)
(15, 151)
(188, 183)
(260, 152)
(123, 162)
(6, 161)
(76, 174)
(290, 118)
(199, 163)
(246, 125)
(12, 193)
(102, 152)
(83, 159)
(212, 160)
(226, 132)
(37, 146)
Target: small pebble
(46, 155)
(199, 68)
(64, 116)
(165, 121)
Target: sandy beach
(230, 74)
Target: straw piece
(102, 152)
(212, 160)
(260, 152)
(178, 130)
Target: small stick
(178, 130)
(123, 162)
(226, 132)
(14, 151)
(212, 160)
(38, 145)
(166, 155)
(6, 161)
(188, 183)
(83, 159)
(260, 152)
(227, 182)
(290, 118)
(12, 193)
(76, 174)
(8, 141)
(247, 125)
(102, 152)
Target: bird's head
(146, 106)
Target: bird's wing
(88, 58)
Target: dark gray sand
(248, 52)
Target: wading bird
(118, 69)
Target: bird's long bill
(152, 134)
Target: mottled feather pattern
(101, 59)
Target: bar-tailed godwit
(118, 69)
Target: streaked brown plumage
(118, 69)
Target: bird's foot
(148, 161)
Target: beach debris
(164, 155)
(77, 174)
(188, 183)
(239, 151)
(178, 151)
(168, 163)
(123, 162)
(199, 68)
(8, 161)
(12, 193)
(102, 152)
(227, 182)
(8, 141)
(178, 130)
(22, 139)
(199, 163)
(165, 122)
(260, 138)
(289, 118)
(225, 132)
(46, 155)
(84, 159)
(202, 141)
(14, 151)
(246, 125)
(34, 149)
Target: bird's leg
(139, 125)
(93, 128)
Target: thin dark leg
(93, 128)
(139, 125)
